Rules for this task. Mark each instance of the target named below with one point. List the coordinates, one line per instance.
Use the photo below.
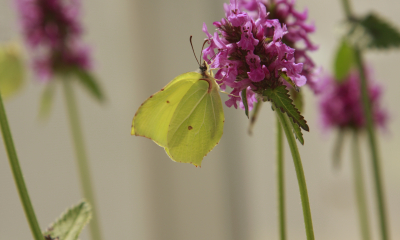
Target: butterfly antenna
(191, 44)
(201, 53)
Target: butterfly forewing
(153, 118)
(196, 125)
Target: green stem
(373, 146)
(281, 183)
(18, 177)
(285, 122)
(337, 150)
(347, 8)
(83, 164)
(371, 135)
(360, 190)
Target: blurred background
(138, 47)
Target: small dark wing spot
(151, 96)
(162, 89)
(190, 127)
(167, 101)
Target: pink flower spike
(234, 15)
(243, 62)
(340, 103)
(53, 33)
(247, 40)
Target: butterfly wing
(153, 118)
(197, 123)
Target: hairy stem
(371, 135)
(285, 122)
(376, 166)
(360, 189)
(18, 177)
(281, 181)
(82, 162)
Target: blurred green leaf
(11, 70)
(281, 99)
(89, 82)
(71, 223)
(344, 60)
(383, 34)
(46, 101)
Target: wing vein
(204, 117)
(194, 107)
(215, 119)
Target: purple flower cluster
(52, 31)
(297, 32)
(250, 54)
(340, 104)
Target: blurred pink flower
(52, 31)
(340, 103)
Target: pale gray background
(138, 47)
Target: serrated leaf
(46, 101)
(383, 34)
(253, 118)
(297, 99)
(296, 131)
(71, 223)
(344, 60)
(89, 82)
(280, 97)
(244, 99)
(11, 70)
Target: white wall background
(138, 47)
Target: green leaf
(383, 34)
(254, 116)
(296, 131)
(297, 99)
(289, 80)
(11, 70)
(46, 101)
(89, 82)
(344, 60)
(280, 97)
(71, 223)
(244, 99)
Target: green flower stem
(18, 177)
(371, 134)
(347, 8)
(285, 122)
(83, 164)
(281, 181)
(376, 166)
(360, 190)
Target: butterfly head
(205, 69)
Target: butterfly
(185, 117)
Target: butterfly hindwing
(153, 117)
(197, 124)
